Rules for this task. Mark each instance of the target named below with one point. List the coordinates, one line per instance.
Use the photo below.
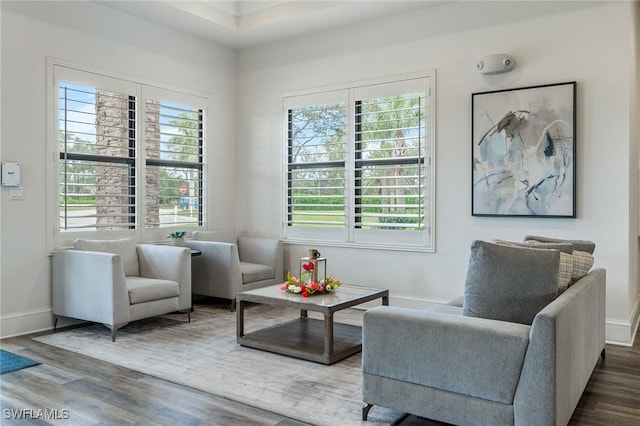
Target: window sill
(362, 246)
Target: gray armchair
(114, 282)
(229, 264)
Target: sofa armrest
(216, 272)
(81, 277)
(168, 263)
(567, 337)
(263, 251)
(472, 356)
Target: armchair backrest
(263, 251)
(125, 247)
(221, 236)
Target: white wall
(586, 42)
(634, 155)
(90, 35)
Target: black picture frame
(524, 152)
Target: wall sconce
(495, 64)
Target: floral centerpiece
(306, 286)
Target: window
(129, 157)
(358, 167)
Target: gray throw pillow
(580, 245)
(509, 283)
(565, 274)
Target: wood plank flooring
(100, 393)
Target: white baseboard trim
(19, 323)
(624, 332)
(618, 333)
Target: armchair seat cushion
(252, 272)
(149, 289)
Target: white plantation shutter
(389, 159)
(97, 151)
(316, 154)
(373, 175)
(174, 161)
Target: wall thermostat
(10, 173)
(495, 64)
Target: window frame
(352, 236)
(59, 70)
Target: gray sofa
(443, 365)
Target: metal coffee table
(307, 338)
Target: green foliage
(310, 203)
(88, 200)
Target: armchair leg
(603, 354)
(114, 329)
(188, 312)
(55, 323)
(365, 411)
(232, 305)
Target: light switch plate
(16, 193)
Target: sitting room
(414, 189)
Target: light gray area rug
(204, 355)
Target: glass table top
(343, 294)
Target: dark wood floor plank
(100, 393)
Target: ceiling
(243, 23)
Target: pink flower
(320, 288)
(308, 266)
(314, 285)
(283, 287)
(305, 293)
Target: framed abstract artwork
(524, 151)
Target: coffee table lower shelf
(304, 338)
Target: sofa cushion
(581, 259)
(509, 283)
(565, 272)
(221, 236)
(149, 289)
(252, 272)
(582, 263)
(125, 247)
(581, 245)
(566, 259)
